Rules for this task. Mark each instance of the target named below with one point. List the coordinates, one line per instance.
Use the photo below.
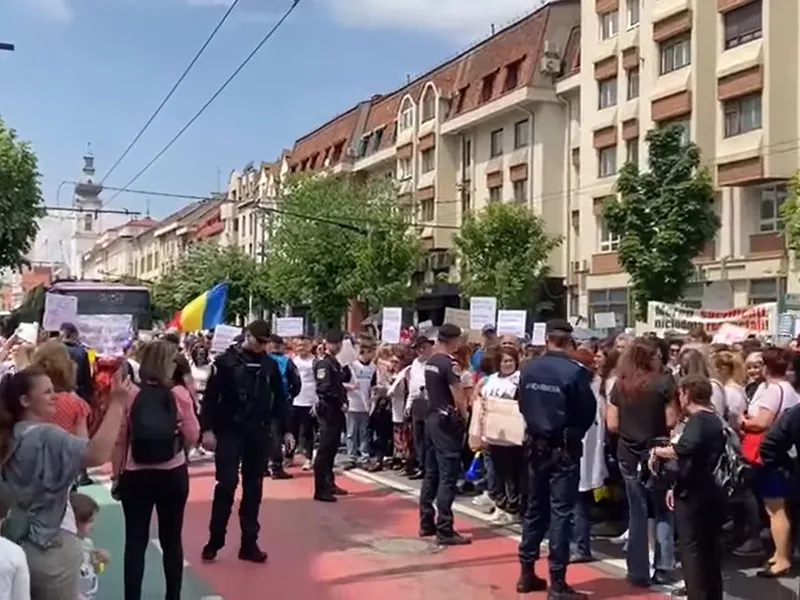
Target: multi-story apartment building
(725, 70)
(485, 126)
(112, 256)
(248, 210)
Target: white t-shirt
(496, 386)
(360, 399)
(776, 397)
(15, 578)
(308, 387)
(736, 401)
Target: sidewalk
(365, 546)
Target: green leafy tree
(337, 239)
(206, 264)
(504, 250)
(790, 215)
(663, 218)
(20, 199)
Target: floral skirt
(401, 438)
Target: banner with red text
(759, 319)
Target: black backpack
(732, 473)
(154, 426)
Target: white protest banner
(347, 355)
(28, 332)
(223, 338)
(458, 317)
(539, 337)
(59, 309)
(482, 311)
(605, 320)
(759, 319)
(107, 335)
(392, 324)
(289, 326)
(730, 334)
(512, 322)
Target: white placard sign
(28, 332)
(392, 324)
(512, 322)
(289, 326)
(223, 338)
(458, 317)
(605, 320)
(482, 311)
(59, 309)
(107, 335)
(539, 337)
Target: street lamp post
(6, 46)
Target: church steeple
(88, 164)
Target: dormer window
(487, 89)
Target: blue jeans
(638, 555)
(582, 524)
(552, 492)
(357, 438)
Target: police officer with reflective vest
(291, 386)
(330, 377)
(558, 406)
(244, 396)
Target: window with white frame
(427, 210)
(676, 53)
(633, 84)
(406, 116)
(496, 143)
(428, 105)
(742, 114)
(521, 191)
(772, 198)
(607, 93)
(633, 13)
(404, 170)
(496, 193)
(607, 161)
(427, 160)
(609, 24)
(608, 241)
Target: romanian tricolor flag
(204, 312)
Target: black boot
(559, 590)
(528, 580)
(250, 552)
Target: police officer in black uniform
(330, 377)
(244, 396)
(445, 428)
(558, 405)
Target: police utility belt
(545, 451)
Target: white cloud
(57, 10)
(454, 18)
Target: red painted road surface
(365, 546)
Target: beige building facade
(727, 71)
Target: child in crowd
(15, 579)
(94, 559)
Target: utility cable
(172, 91)
(210, 101)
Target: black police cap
(558, 326)
(260, 330)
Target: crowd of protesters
(668, 410)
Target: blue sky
(94, 70)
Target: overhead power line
(211, 100)
(173, 90)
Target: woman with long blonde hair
(731, 373)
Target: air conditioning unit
(550, 65)
(575, 266)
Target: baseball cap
(260, 330)
(488, 328)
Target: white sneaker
(483, 503)
(621, 539)
(501, 517)
(307, 466)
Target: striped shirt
(70, 411)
